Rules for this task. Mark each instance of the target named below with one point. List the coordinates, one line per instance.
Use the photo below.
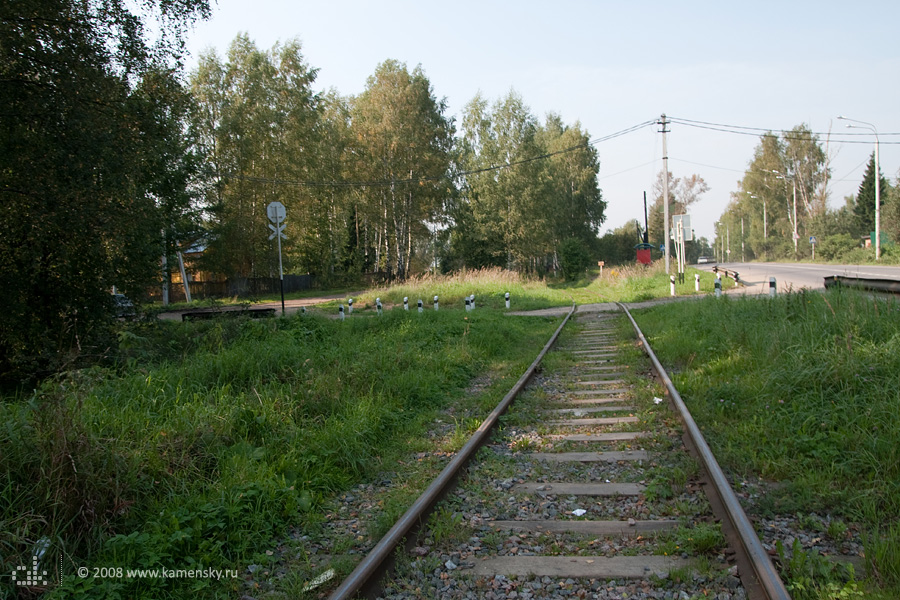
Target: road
(793, 276)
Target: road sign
(277, 230)
(685, 221)
(276, 212)
(812, 239)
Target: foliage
(573, 258)
(810, 576)
(863, 207)
(89, 109)
(617, 247)
(516, 216)
(247, 427)
(402, 139)
(257, 120)
(683, 193)
(808, 400)
(787, 171)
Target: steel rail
(763, 571)
(365, 576)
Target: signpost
(812, 242)
(681, 232)
(276, 213)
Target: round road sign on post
(276, 212)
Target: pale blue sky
(611, 65)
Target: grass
(204, 442)
(634, 283)
(801, 390)
(211, 439)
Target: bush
(573, 258)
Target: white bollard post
(718, 286)
(378, 306)
(350, 308)
(341, 311)
(507, 299)
(696, 282)
(467, 304)
(737, 278)
(672, 285)
(472, 301)
(405, 302)
(420, 305)
(303, 310)
(435, 303)
(772, 290)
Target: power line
(415, 180)
(785, 134)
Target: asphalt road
(793, 276)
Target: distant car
(703, 260)
(122, 306)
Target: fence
(242, 287)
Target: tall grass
(203, 459)
(629, 283)
(803, 389)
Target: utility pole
(665, 158)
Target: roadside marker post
(405, 302)
(672, 285)
(420, 305)
(435, 303)
(341, 311)
(772, 290)
(696, 282)
(507, 299)
(718, 286)
(350, 307)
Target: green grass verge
(804, 390)
(200, 459)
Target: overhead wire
(833, 136)
(454, 175)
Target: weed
(445, 525)
(810, 576)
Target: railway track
(587, 491)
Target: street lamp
(871, 127)
(794, 187)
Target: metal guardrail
(891, 286)
(729, 273)
(764, 576)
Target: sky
(609, 65)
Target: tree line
(381, 183)
(785, 190)
(112, 159)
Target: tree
(528, 187)
(683, 193)
(617, 247)
(402, 142)
(864, 206)
(84, 101)
(782, 168)
(258, 120)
